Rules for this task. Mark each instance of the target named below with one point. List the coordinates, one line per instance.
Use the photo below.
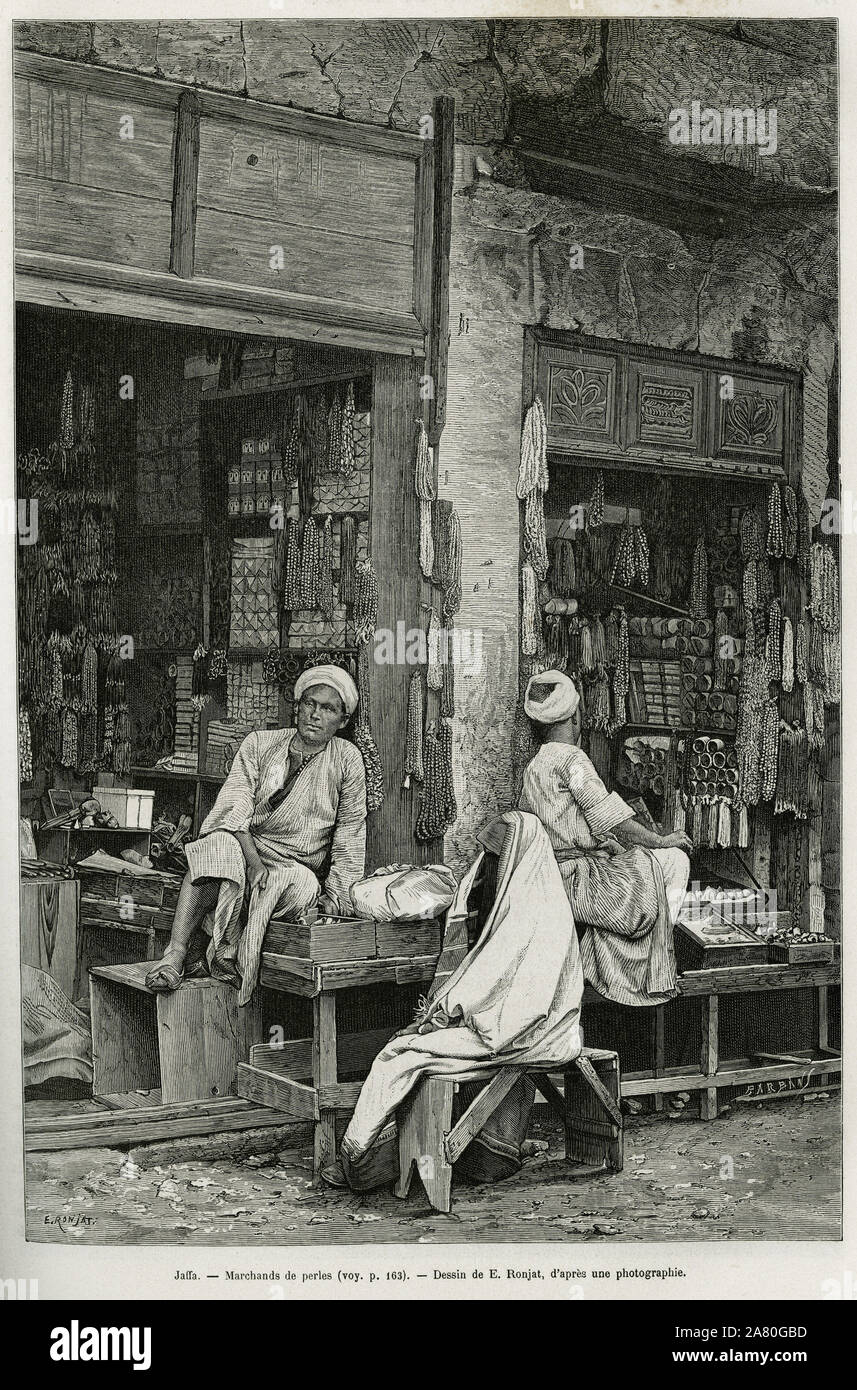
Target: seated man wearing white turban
(294, 799)
(624, 881)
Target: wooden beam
(750, 979)
(147, 1126)
(743, 1076)
(479, 1111)
(551, 1093)
(596, 1085)
(444, 176)
(68, 282)
(282, 1094)
(185, 178)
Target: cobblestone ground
(767, 1172)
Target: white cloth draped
(515, 998)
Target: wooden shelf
(178, 775)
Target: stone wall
(767, 295)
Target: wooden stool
(589, 1110)
(188, 1042)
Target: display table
(712, 1074)
(302, 1077)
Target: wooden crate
(49, 934)
(342, 938)
(188, 1042)
(787, 953)
(408, 938)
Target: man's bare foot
(168, 973)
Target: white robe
(514, 999)
(323, 814)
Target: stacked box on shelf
(187, 719)
(254, 621)
(653, 696)
(223, 741)
(123, 916)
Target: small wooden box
(798, 952)
(715, 945)
(340, 938)
(408, 938)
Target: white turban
(333, 676)
(560, 702)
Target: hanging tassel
(334, 434)
(452, 566)
(434, 676)
(641, 557)
(599, 644)
(788, 660)
(25, 747)
(595, 510)
(447, 692)
(414, 746)
(325, 569)
(743, 836)
(89, 678)
(768, 758)
(802, 651)
(347, 558)
(348, 455)
(563, 577)
(699, 582)
(790, 523)
(292, 582)
(750, 535)
(533, 468)
(425, 490)
(438, 809)
(310, 561)
(696, 825)
(532, 485)
(530, 619)
(775, 523)
(362, 735)
(774, 644)
(832, 669)
(365, 601)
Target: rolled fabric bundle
(688, 664)
(703, 684)
(715, 701)
(730, 776)
(705, 760)
(645, 777)
(658, 785)
(566, 606)
(660, 757)
(648, 753)
(682, 645)
(711, 788)
(668, 644)
(659, 627)
(734, 685)
(703, 627)
(700, 745)
(635, 627)
(673, 626)
(718, 759)
(688, 681)
(711, 824)
(730, 704)
(732, 756)
(685, 627)
(700, 646)
(716, 745)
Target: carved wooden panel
(751, 423)
(581, 395)
(666, 407)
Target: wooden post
(444, 174)
(185, 176)
(709, 1058)
(659, 1051)
(394, 549)
(324, 1073)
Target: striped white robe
(323, 814)
(627, 900)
